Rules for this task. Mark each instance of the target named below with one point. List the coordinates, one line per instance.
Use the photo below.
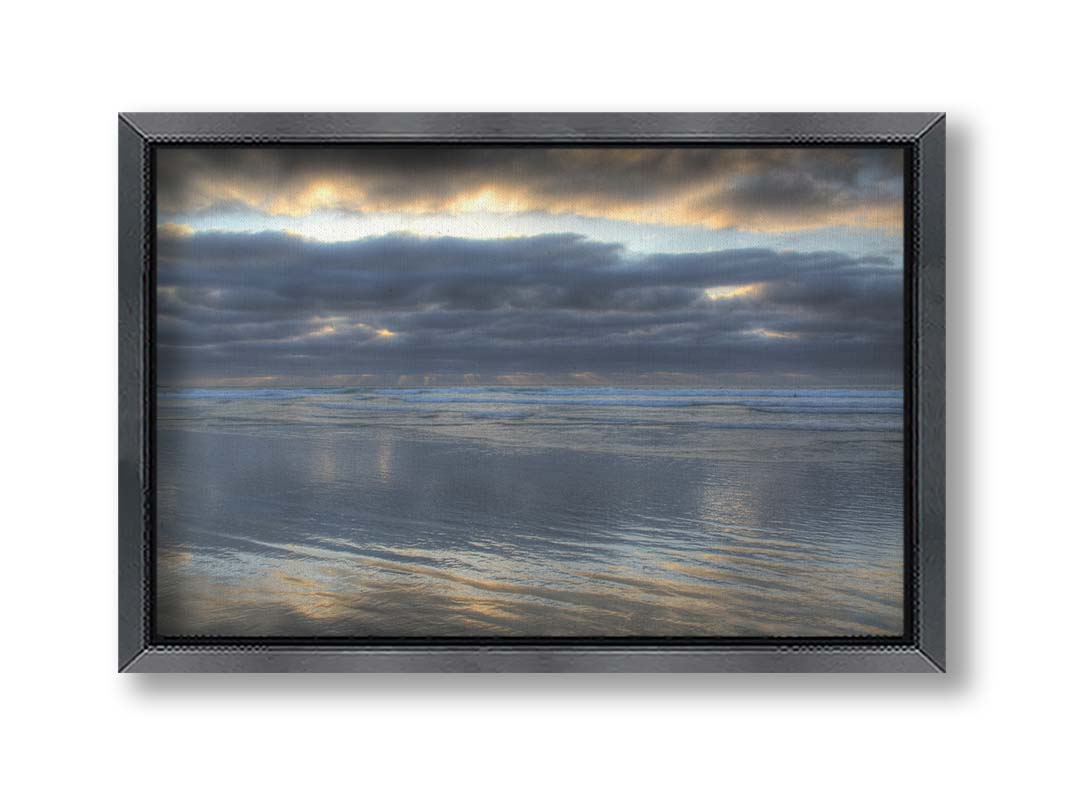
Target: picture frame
(922, 647)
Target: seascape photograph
(503, 391)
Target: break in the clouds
(437, 265)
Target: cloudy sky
(429, 265)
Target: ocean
(551, 511)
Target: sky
(429, 265)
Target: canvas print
(529, 391)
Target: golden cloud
(760, 190)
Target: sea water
(552, 511)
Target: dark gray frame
(922, 134)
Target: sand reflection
(360, 596)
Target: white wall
(76, 726)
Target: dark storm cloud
(246, 305)
(757, 188)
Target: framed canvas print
(508, 392)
